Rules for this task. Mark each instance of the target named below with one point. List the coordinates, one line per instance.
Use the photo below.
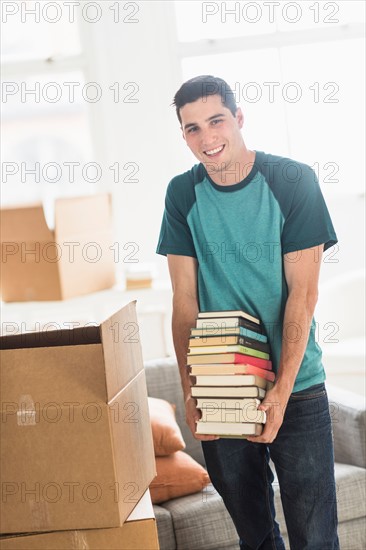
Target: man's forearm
(299, 312)
(185, 310)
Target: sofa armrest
(348, 414)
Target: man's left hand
(274, 404)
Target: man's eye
(193, 129)
(216, 121)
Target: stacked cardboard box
(137, 533)
(76, 444)
(74, 258)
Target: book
(229, 313)
(238, 368)
(227, 402)
(229, 428)
(223, 322)
(250, 413)
(228, 391)
(231, 380)
(228, 358)
(228, 341)
(219, 332)
(201, 350)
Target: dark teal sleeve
(175, 234)
(307, 222)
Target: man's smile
(214, 152)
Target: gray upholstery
(351, 495)
(201, 522)
(349, 426)
(165, 527)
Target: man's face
(212, 133)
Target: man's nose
(208, 137)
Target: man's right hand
(192, 416)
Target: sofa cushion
(201, 522)
(165, 527)
(177, 474)
(349, 426)
(167, 436)
(163, 381)
(352, 534)
(350, 494)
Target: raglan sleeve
(175, 235)
(308, 222)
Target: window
(46, 138)
(296, 72)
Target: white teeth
(214, 151)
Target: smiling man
(245, 230)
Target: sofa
(200, 521)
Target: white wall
(147, 133)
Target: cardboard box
(74, 259)
(139, 532)
(76, 444)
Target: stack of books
(231, 369)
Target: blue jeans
(303, 455)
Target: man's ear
(239, 117)
(183, 136)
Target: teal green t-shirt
(239, 234)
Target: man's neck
(235, 172)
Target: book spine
(228, 331)
(234, 370)
(231, 428)
(247, 413)
(229, 314)
(235, 348)
(238, 340)
(222, 358)
(230, 380)
(222, 323)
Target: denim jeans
(303, 456)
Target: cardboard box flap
(121, 348)
(71, 222)
(58, 378)
(130, 442)
(17, 224)
(143, 509)
(51, 338)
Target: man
(245, 230)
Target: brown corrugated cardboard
(138, 533)
(74, 259)
(76, 445)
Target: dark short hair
(203, 86)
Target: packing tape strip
(79, 541)
(40, 515)
(26, 413)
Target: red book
(229, 358)
(231, 368)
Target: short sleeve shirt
(239, 234)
